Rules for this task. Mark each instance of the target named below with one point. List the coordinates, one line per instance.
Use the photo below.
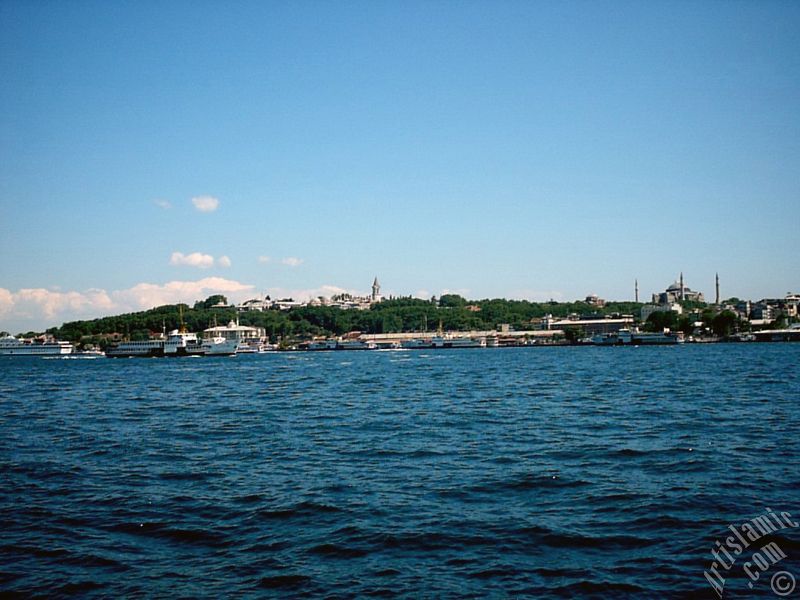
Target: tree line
(452, 312)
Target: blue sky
(497, 149)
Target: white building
(649, 309)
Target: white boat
(444, 341)
(318, 345)
(10, 345)
(140, 348)
(416, 344)
(180, 342)
(636, 338)
(355, 345)
(649, 338)
(457, 342)
(232, 338)
(616, 338)
(255, 347)
(788, 334)
(216, 345)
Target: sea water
(540, 472)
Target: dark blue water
(539, 472)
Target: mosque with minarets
(677, 292)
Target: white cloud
(292, 261)
(326, 291)
(264, 259)
(195, 259)
(205, 203)
(39, 305)
(6, 301)
(165, 204)
(38, 308)
(422, 294)
(224, 261)
(463, 292)
(147, 295)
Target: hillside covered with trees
(390, 316)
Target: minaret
(683, 297)
(717, 302)
(636, 289)
(376, 289)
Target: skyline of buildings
(39, 309)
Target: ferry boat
(9, 345)
(217, 345)
(182, 343)
(457, 342)
(319, 345)
(655, 338)
(355, 345)
(417, 344)
(232, 338)
(443, 341)
(628, 337)
(789, 334)
(616, 338)
(142, 348)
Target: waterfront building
(744, 308)
(792, 305)
(589, 326)
(763, 311)
(235, 332)
(649, 309)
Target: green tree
(686, 325)
(724, 323)
(574, 334)
(452, 301)
(215, 299)
(661, 320)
